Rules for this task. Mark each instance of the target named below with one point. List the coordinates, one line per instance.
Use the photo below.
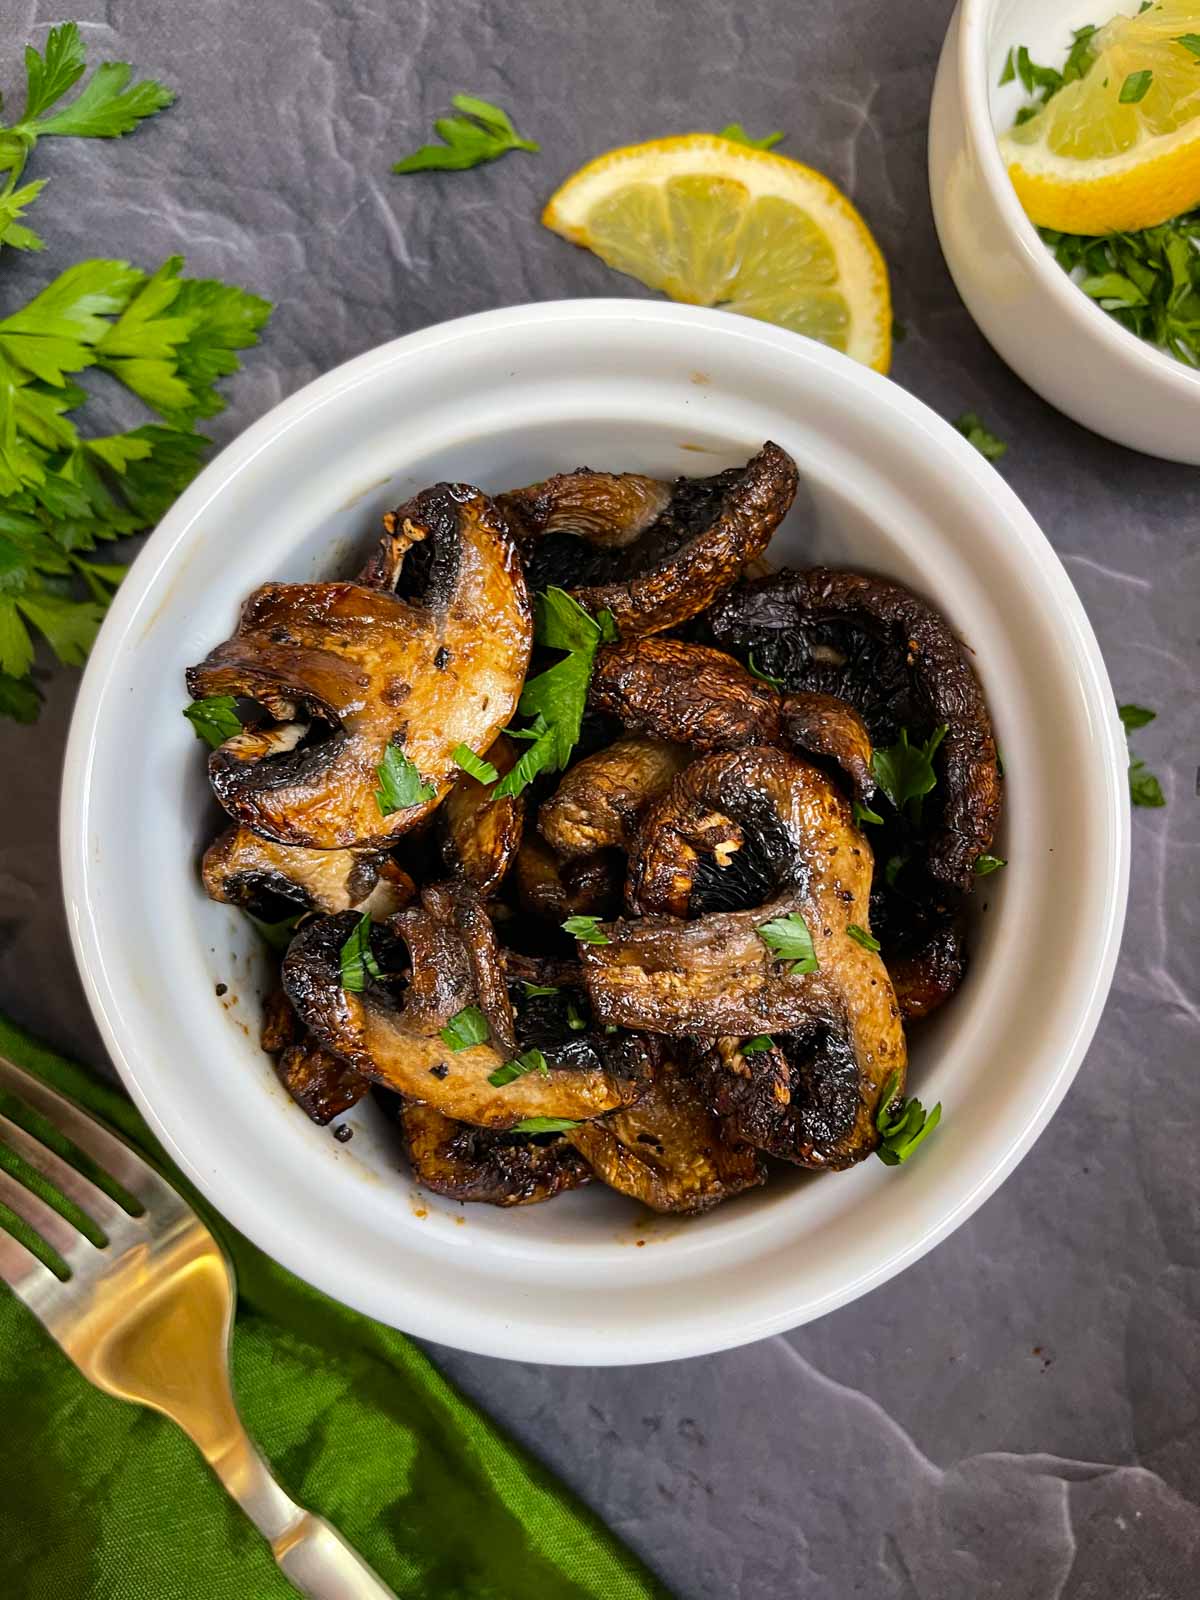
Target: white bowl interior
(498, 400)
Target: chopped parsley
(763, 677)
(586, 929)
(532, 990)
(483, 771)
(465, 1028)
(530, 1061)
(482, 133)
(789, 941)
(985, 865)
(1144, 787)
(758, 1046)
(973, 431)
(554, 700)
(905, 772)
(902, 1130)
(544, 1125)
(863, 814)
(576, 1020)
(214, 719)
(862, 937)
(735, 131)
(400, 784)
(1135, 87)
(357, 962)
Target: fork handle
(311, 1554)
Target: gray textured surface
(1019, 1414)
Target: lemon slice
(1090, 162)
(716, 223)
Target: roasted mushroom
(321, 1085)
(481, 830)
(686, 693)
(652, 554)
(920, 927)
(500, 1169)
(347, 670)
(767, 838)
(588, 886)
(454, 965)
(600, 801)
(830, 731)
(669, 1151)
(897, 662)
(273, 881)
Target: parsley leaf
(1144, 787)
(465, 1028)
(973, 431)
(902, 1130)
(483, 771)
(586, 929)
(862, 937)
(532, 990)
(576, 1020)
(735, 131)
(214, 719)
(1189, 41)
(530, 1061)
(400, 785)
(555, 699)
(543, 1125)
(356, 960)
(1135, 87)
(481, 134)
(789, 940)
(1134, 717)
(862, 814)
(756, 671)
(905, 771)
(985, 865)
(758, 1046)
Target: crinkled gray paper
(1019, 1414)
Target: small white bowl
(504, 398)
(1074, 354)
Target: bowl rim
(975, 17)
(267, 1226)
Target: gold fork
(146, 1316)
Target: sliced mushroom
(669, 1151)
(401, 1044)
(829, 730)
(481, 830)
(600, 801)
(768, 836)
(617, 546)
(273, 881)
(321, 1085)
(500, 1169)
(589, 886)
(920, 927)
(435, 660)
(686, 693)
(801, 1099)
(897, 662)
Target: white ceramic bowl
(1075, 355)
(504, 398)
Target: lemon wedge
(1119, 148)
(716, 223)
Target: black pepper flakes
(440, 1072)
(343, 1133)
(222, 988)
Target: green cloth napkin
(105, 1500)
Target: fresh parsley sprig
(356, 959)
(482, 133)
(905, 772)
(555, 700)
(903, 1129)
(106, 108)
(214, 719)
(789, 941)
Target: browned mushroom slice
(686, 693)
(652, 574)
(401, 1045)
(600, 801)
(479, 1164)
(767, 838)
(897, 662)
(920, 928)
(829, 730)
(275, 880)
(669, 1151)
(321, 1085)
(481, 831)
(348, 670)
(589, 886)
